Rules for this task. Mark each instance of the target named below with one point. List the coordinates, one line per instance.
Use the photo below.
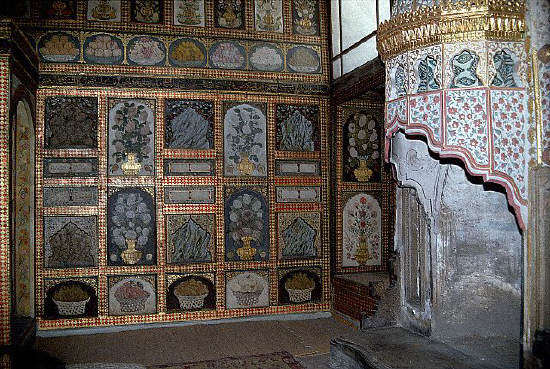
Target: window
(354, 24)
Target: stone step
(397, 348)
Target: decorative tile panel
(298, 194)
(227, 55)
(300, 286)
(245, 151)
(229, 14)
(188, 124)
(146, 11)
(145, 51)
(397, 83)
(426, 111)
(424, 69)
(189, 167)
(58, 9)
(190, 195)
(246, 224)
(466, 123)
(104, 10)
(131, 295)
(70, 298)
(362, 230)
(297, 128)
(189, 13)
(509, 127)
(303, 59)
(507, 63)
(190, 292)
(266, 57)
(297, 168)
(131, 136)
(396, 112)
(71, 123)
(299, 235)
(131, 226)
(70, 241)
(70, 196)
(465, 64)
(246, 289)
(305, 17)
(545, 109)
(59, 47)
(187, 52)
(268, 15)
(70, 167)
(103, 49)
(191, 238)
(361, 146)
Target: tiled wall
(227, 208)
(363, 188)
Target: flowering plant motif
(269, 15)
(229, 13)
(509, 135)
(245, 135)
(132, 131)
(146, 51)
(132, 219)
(362, 226)
(246, 218)
(131, 290)
(305, 17)
(467, 122)
(425, 110)
(227, 55)
(362, 142)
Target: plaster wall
(474, 273)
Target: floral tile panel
(58, 9)
(70, 298)
(303, 59)
(229, 13)
(59, 47)
(190, 53)
(104, 10)
(246, 289)
(361, 230)
(189, 13)
(146, 51)
(103, 49)
(300, 286)
(227, 55)
(246, 224)
(266, 57)
(131, 226)
(305, 17)
(132, 295)
(131, 137)
(146, 11)
(70, 241)
(268, 15)
(362, 146)
(190, 195)
(70, 122)
(245, 152)
(191, 238)
(297, 168)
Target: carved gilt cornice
(452, 22)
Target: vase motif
(131, 255)
(246, 252)
(362, 255)
(362, 173)
(245, 166)
(131, 167)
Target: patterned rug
(276, 360)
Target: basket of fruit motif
(71, 300)
(247, 289)
(131, 296)
(299, 288)
(191, 294)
